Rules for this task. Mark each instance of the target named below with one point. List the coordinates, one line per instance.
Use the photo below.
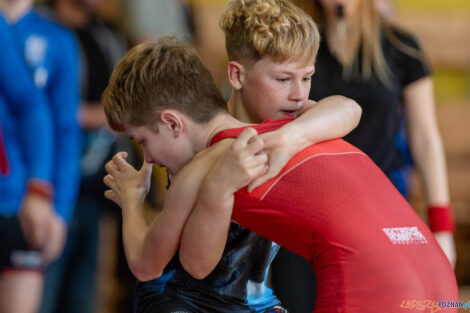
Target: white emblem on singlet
(405, 235)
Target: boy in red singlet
(330, 203)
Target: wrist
(130, 203)
(134, 195)
(440, 219)
(291, 137)
(41, 188)
(216, 191)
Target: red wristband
(40, 188)
(440, 218)
(4, 166)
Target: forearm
(205, 232)
(92, 116)
(149, 248)
(330, 118)
(428, 154)
(163, 236)
(134, 229)
(430, 161)
(160, 243)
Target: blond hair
(155, 76)
(274, 28)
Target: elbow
(143, 277)
(196, 269)
(141, 273)
(198, 274)
(351, 111)
(356, 110)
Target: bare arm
(92, 116)
(205, 232)
(428, 152)
(330, 118)
(149, 248)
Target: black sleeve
(414, 62)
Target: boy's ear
(172, 120)
(236, 74)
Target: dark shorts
(150, 301)
(14, 251)
(180, 306)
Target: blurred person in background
(150, 19)
(209, 39)
(71, 282)
(38, 102)
(365, 57)
(189, 20)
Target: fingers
(56, 240)
(248, 143)
(123, 154)
(250, 162)
(274, 169)
(120, 162)
(276, 164)
(259, 159)
(258, 173)
(261, 179)
(111, 168)
(34, 218)
(35, 234)
(111, 194)
(244, 138)
(255, 145)
(109, 181)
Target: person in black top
(365, 57)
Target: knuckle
(252, 131)
(109, 166)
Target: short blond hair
(275, 28)
(154, 76)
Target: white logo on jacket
(35, 54)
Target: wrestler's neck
(236, 107)
(202, 134)
(15, 10)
